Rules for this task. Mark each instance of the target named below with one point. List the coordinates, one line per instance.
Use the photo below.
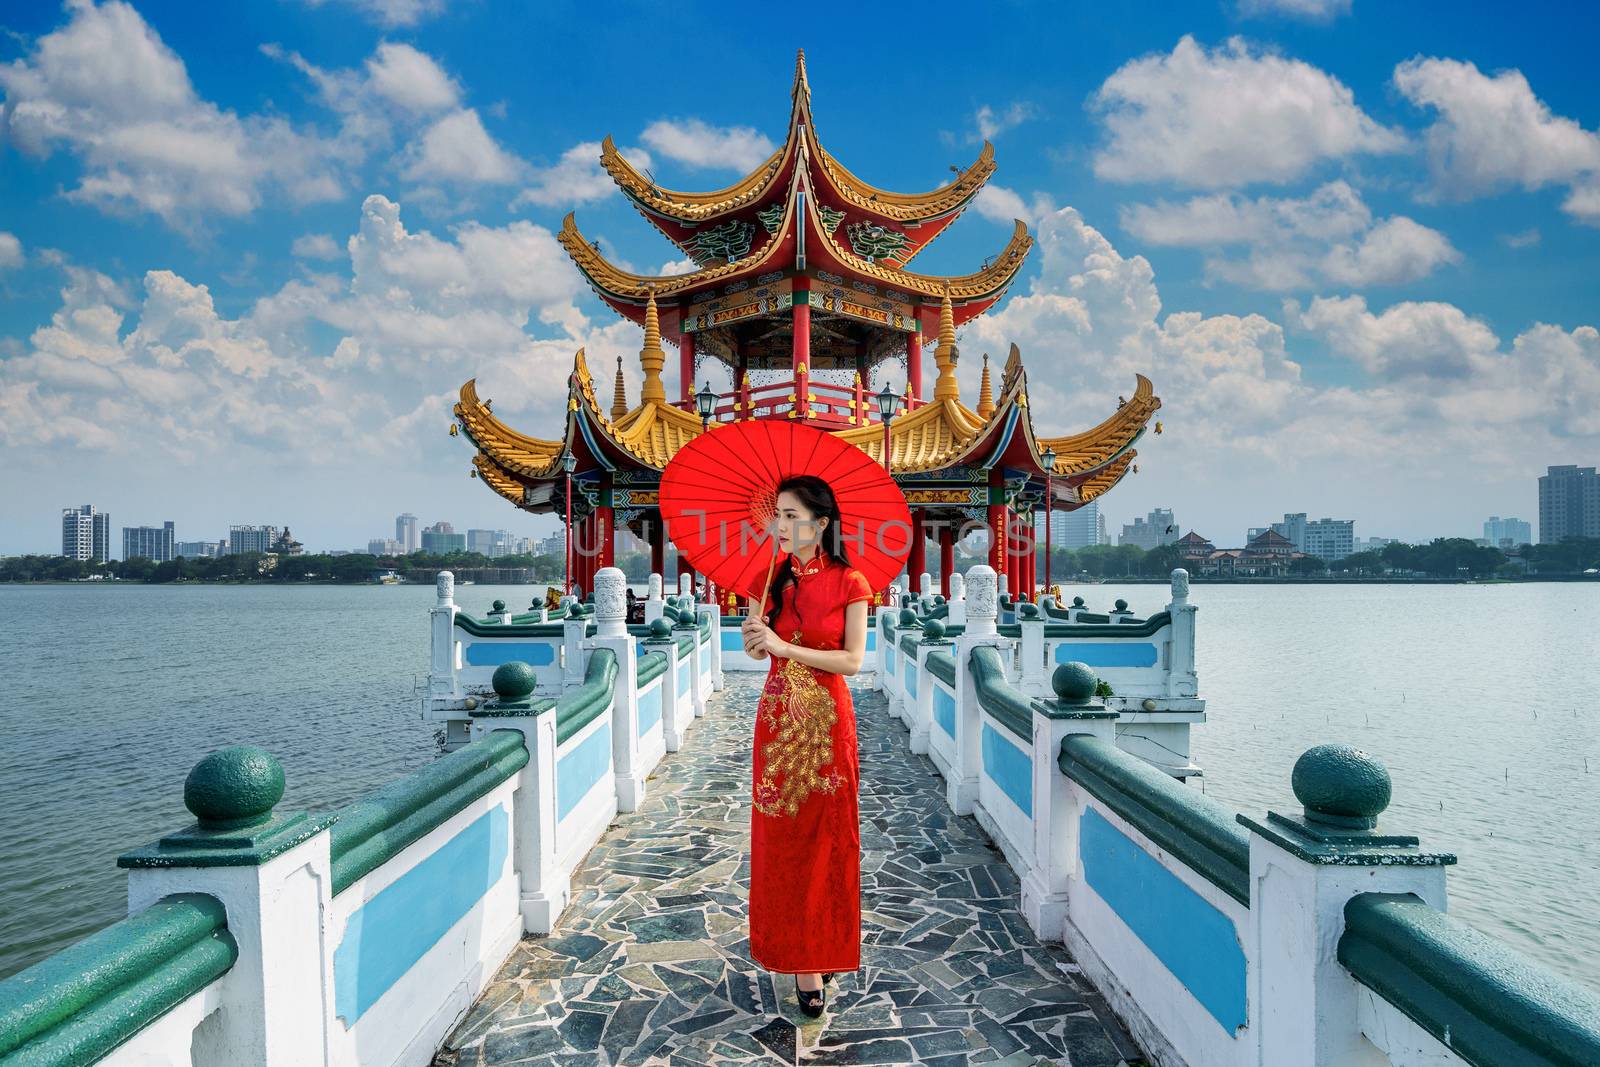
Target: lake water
(1478, 698)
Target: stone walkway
(649, 964)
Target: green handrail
(576, 709)
(78, 1005)
(996, 695)
(1190, 825)
(376, 828)
(1488, 1003)
(651, 666)
(942, 665)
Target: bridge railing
(360, 937)
(1210, 933)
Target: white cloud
(457, 148)
(696, 143)
(107, 89)
(577, 178)
(392, 12)
(1328, 236)
(1428, 340)
(10, 251)
(1002, 205)
(1492, 133)
(992, 123)
(315, 246)
(1310, 10)
(1228, 117)
(411, 79)
(1522, 238)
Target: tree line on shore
(1443, 557)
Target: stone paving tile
(650, 964)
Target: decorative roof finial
(985, 396)
(619, 400)
(946, 354)
(651, 357)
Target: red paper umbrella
(719, 492)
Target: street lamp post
(706, 401)
(1049, 459)
(568, 463)
(888, 403)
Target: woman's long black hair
(817, 497)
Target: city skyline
(1374, 298)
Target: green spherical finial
(234, 788)
(1341, 785)
(1027, 611)
(933, 629)
(513, 680)
(1074, 683)
(938, 598)
(908, 617)
(660, 628)
(499, 606)
(1121, 605)
(1077, 601)
(573, 611)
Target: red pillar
(914, 362)
(686, 371)
(802, 347)
(947, 557)
(997, 521)
(917, 562)
(606, 535)
(658, 546)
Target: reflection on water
(1476, 697)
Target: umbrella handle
(762, 614)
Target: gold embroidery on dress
(804, 741)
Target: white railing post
(1046, 889)
(961, 786)
(715, 615)
(1303, 869)
(574, 624)
(543, 887)
(653, 604)
(686, 608)
(1032, 678)
(274, 877)
(442, 684)
(1181, 678)
(958, 600)
(611, 631)
(662, 641)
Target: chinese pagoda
(802, 282)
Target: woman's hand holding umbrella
(760, 641)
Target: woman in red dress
(805, 831)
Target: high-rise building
(86, 533)
(1293, 527)
(554, 545)
(1569, 504)
(492, 543)
(200, 549)
(251, 539)
(1507, 533)
(1075, 529)
(408, 531)
(1157, 529)
(441, 538)
(383, 546)
(151, 542)
(1328, 539)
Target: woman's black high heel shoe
(811, 1001)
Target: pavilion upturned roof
(799, 208)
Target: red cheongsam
(805, 830)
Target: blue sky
(246, 260)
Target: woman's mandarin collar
(812, 566)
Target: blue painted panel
(580, 769)
(389, 933)
(638, 647)
(705, 658)
(683, 676)
(911, 678)
(1009, 767)
(494, 653)
(732, 641)
(944, 709)
(892, 658)
(872, 641)
(650, 706)
(1108, 654)
(1190, 937)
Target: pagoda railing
(840, 406)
